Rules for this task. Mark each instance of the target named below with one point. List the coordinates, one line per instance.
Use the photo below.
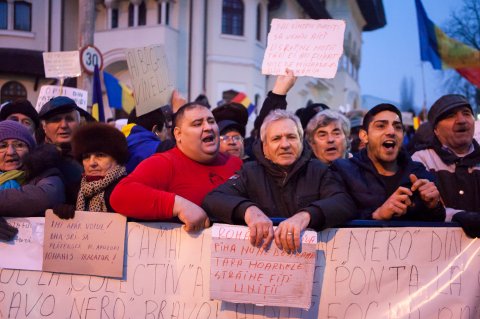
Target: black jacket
(369, 192)
(458, 178)
(307, 186)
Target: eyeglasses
(17, 145)
(228, 138)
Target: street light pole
(86, 29)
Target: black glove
(470, 222)
(64, 211)
(7, 232)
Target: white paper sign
(47, 92)
(151, 81)
(24, 251)
(242, 273)
(61, 64)
(307, 47)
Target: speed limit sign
(89, 56)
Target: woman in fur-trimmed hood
(103, 152)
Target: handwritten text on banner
(167, 275)
(242, 273)
(91, 243)
(150, 75)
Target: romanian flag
(97, 99)
(119, 95)
(444, 52)
(245, 101)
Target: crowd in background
(315, 168)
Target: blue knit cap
(14, 130)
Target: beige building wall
(201, 58)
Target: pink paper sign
(307, 47)
(242, 273)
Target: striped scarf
(91, 196)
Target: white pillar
(198, 48)
(10, 11)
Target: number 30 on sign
(89, 56)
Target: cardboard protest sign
(25, 250)
(47, 92)
(307, 47)
(63, 64)
(242, 273)
(91, 244)
(150, 75)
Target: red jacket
(149, 191)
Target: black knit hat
(444, 105)
(21, 106)
(97, 137)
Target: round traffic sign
(89, 56)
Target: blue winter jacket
(369, 192)
(142, 143)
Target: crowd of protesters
(316, 168)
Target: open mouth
(389, 144)
(208, 139)
(461, 130)
(331, 149)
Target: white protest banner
(62, 64)
(26, 249)
(476, 135)
(167, 276)
(150, 75)
(91, 244)
(47, 92)
(307, 47)
(242, 273)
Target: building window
(259, 22)
(12, 91)
(232, 17)
(142, 14)
(164, 13)
(130, 14)
(114, 18)
(3, 14)
(22, 12)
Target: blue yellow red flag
(444, 52)
(98, 111)
(243, 99)
(119, 95)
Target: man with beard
(454, 157)
(174, 183)
(383, 180)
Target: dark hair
(368, 118)
(148, 120)
(178, 116)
